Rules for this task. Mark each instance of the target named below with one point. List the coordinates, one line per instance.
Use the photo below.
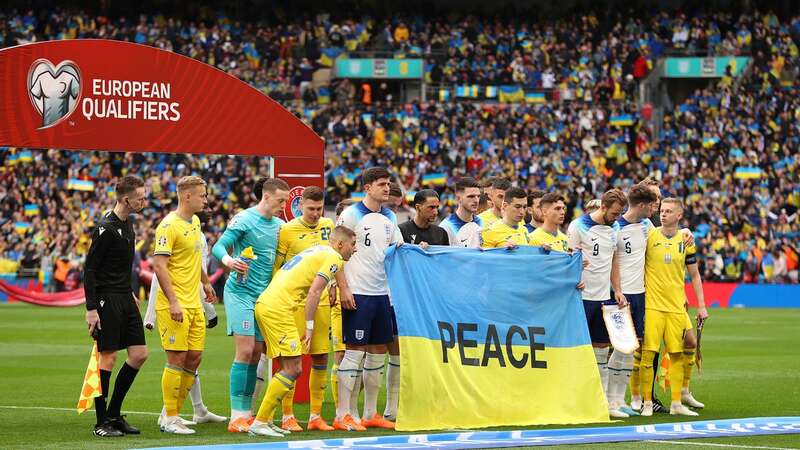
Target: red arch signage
(98, 94)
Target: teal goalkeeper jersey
(250, 229)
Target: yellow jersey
(489, 218)
(182, 241)
(296, 236)
(541, 237)
(665, 271)
(288, 290)
(499, 234)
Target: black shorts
(120, 322)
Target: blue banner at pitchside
(492, 338)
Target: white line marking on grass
(710, 444)
(48, 408)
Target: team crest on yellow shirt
(334, 268)
(162, 241)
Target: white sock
(601, 355)
(392, 386)
(373, 373)
(619, 374)
(346, 375)
(358, 385)
(197, 397)
(263, 375)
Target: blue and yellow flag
(499, 333)
(31, 209)
(511, 94)
(535, 97)
(80, 185)
(623, 120)
(436, 179)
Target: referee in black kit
(112, 310)
(421, 228)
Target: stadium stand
(729, 150)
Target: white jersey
(598, 244)
(463, 234)
(375, 232)
(631, 248)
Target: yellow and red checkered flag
(91, 382)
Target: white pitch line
(710, 444)
(48, 408)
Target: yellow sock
(676, 375)
(170, 388)
(187, 381)
(646, 374)
(278, 387)
(335, 385)
(287, 405)
(316, 388)
(688, 366)
(635, 381)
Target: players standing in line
(596, 236)
(181, 322)
(548, 234)
(666, 317)
(201, 413)
(297, 287)
(112, 310)
(422, 228)
(533, 216)
(508, 232)
(366, 312)
(309, 230)
(256, 227)
(634, 228)
(497, 195)
(463, 227)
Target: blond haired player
(297, 235)
(666, 318)
(296, 287)
(181, 322)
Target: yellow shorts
(320, 342)
(671, 327)
(182, 336)
(336, 328)
(279, 330)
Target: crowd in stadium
(748, 227)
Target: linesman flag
(91, 382)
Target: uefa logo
(293, 208)
(54, 90)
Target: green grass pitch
(752, 362)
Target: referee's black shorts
(120, 322)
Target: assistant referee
(112, 310)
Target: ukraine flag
(25, 156)
(444, 95)
(467, 91)
(31, 210)
(517, 350)
(511, 94)
(410, 196)
(491, 91)
(436, 179)
(324, 96)
(747, 173)
(357, 196)
(252, 55)
(535, 97)
(21, 227)
(80, 185)
(329, 55)
(623, 120)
